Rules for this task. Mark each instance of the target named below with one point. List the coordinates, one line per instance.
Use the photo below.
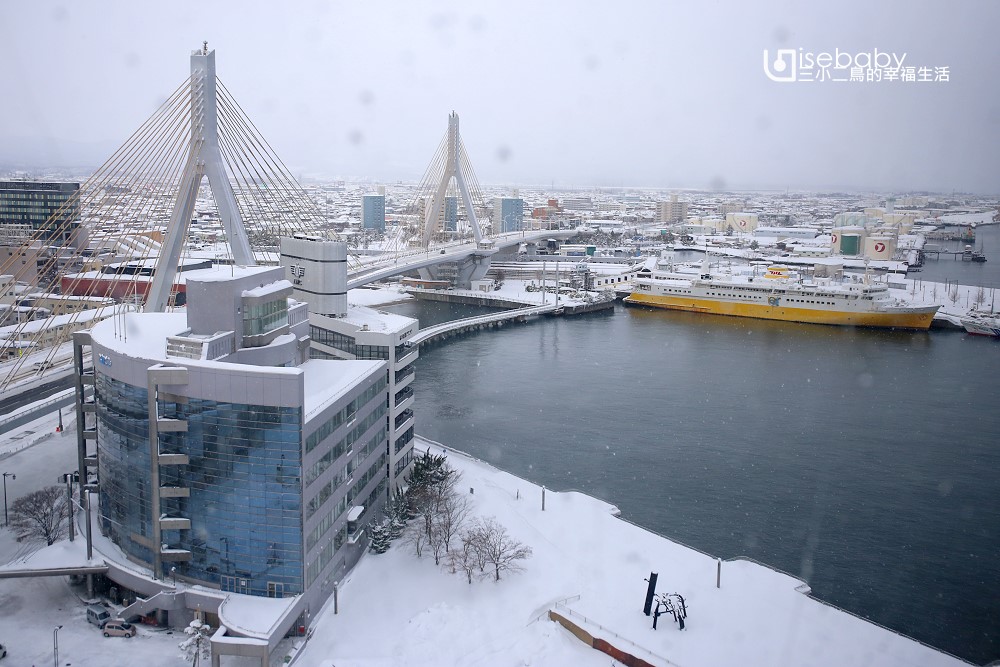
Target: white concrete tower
(452, 169)
(204, 159)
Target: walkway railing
(623, 643)
(429, 333)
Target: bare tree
(445, 522)
(465, 557)
(416, 537)
(452, 515)
(497, 548)
(431, 481)
(435, 542)
(40, 515)
(980, 296)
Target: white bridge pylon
(204, 159)
(456, 164)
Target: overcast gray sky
(656, 94)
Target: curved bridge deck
(470, 323)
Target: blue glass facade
(373, 212)
(509, 214)
(450, 214)
(245, 481)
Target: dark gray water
(949, 269)
(865, 462)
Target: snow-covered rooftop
(141, 335)
(81, 317)
(215, 273)
(222, 272)
(377, 320)
(326, 380)
(270, 288)
(376, 297)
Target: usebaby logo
(783, 69)
(800, 65)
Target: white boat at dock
(981, 323)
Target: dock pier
(515, 311)
(967, 255)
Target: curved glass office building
(227, 457)
(243, 479)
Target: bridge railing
(429, 333)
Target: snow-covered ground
(978, 218)
(31, 610)
(383, 295)
(516, 290)
(955, 300)
(398, 610)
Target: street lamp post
(55, 646)
(6, 521)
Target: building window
(245, 502)
(347, 344)
(345, 415)
(265, 317)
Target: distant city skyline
(642, 94)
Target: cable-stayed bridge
(132, 218)
(464, 254)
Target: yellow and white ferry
(781, 295)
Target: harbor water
(948, 268)
(865, 462)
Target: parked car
(116, 627)
(3, 651)
(97, 615)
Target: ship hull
(982, 328)
(915, 318)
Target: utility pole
(557, 283)
(543, 283)
(6, 520)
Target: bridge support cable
(148, 187)
(449, 174)
(261, 167)
(109, 211)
